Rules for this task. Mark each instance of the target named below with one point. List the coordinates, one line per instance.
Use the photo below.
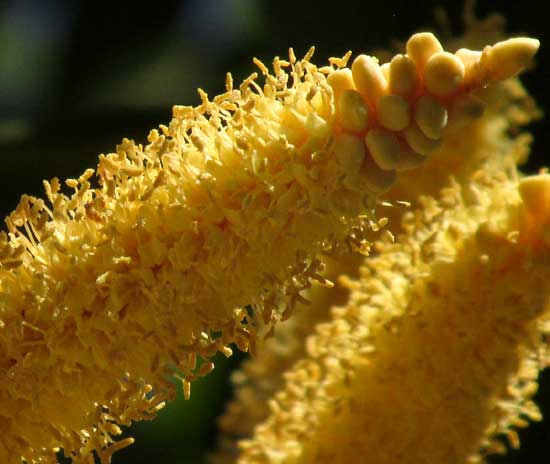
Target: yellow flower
(437, 353)
(144, 271)
(489, 140)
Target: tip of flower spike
(509, 57)
(403, 108)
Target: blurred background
(77, 76)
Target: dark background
(77, 76)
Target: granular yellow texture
(143, 272)
(489, 139)
(437, 353)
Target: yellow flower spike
(444, 332)
(492, 139)
(145, 267)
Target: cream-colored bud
(316, 126)
(340, 80)
(403, 76)
(418, 141)
(384, 148)
(353, 112)
(421, 46)
(376, 180)
(369, 78)
(430, 116)
(443, 74)
(509, 57)
(394, 112)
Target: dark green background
(77, 76)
